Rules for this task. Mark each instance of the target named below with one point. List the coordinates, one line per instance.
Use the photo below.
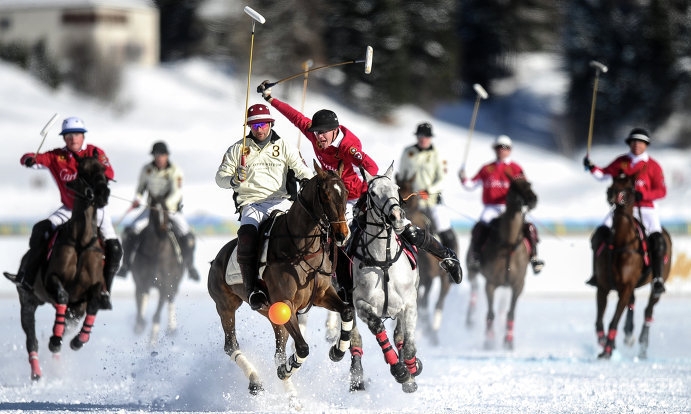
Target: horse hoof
(55, 344)
(256, 388)
(76, 344)
(400, 373)
(335, 354)
(409, 387)
(35, 377)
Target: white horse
(385, 283)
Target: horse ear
(364, 173)
(317, 168)
(340, 168)
(389, 171)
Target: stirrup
(537, 265)
(257, 299)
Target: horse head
(158, 215)
(520, 194)
(622, 192)
(383, 198)
(406, 193)
(327, 195)
(91, 184)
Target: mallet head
(598, 66)
(482, 93)
(254, 15)
(368, 60)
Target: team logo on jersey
(355, 153)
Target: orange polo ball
(279, 313)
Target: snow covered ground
(553, 368)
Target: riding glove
(266, 92)
(588, 164)
(241, 173)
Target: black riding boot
(478, 236)
(129, 246)
(421, 239)
(603, 234)
(658, 247)
(187, 244)
(248, 238)
(530, 232)
(113, 254)
(28, 267)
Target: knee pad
(113, 250)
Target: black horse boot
(658, 247)
(530, 232)
(187, 245)
(129, 247)
(421, 239)
(602, 234)
(478, 236)
(28, 267)
(113, 254)
(248, 238)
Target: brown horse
(298, 272)
(428, 265)
(504, 258)
(72, 279)
(622, 267)
(157, 264)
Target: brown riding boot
(113, 254)
(601, 235)
(421, 239)
(530, 232)
(658, 247)
(248, 238)
(478, 236)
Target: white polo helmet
(72, 124)
(502, 140)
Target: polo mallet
(256, 17)
(599, 67)
(45, 130)
(306, 65)
(367, 61)
(481, 94)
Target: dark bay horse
(72, 279)
(428, 265)
(504, 258)
(157, 265)
(622, 266)
(298, 271)
(385, 283)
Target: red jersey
(495, 180)
(349, 151)
(650, 180)
(63, 167)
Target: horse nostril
(340, 237)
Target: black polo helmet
(323, 120)
(159, 147)
(638, 134)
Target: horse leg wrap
(414, 366)
(293, 364)
(59, 325)
(35, 367)
(344, 341)
(389, 354)
(85, 332)
(356, 351)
